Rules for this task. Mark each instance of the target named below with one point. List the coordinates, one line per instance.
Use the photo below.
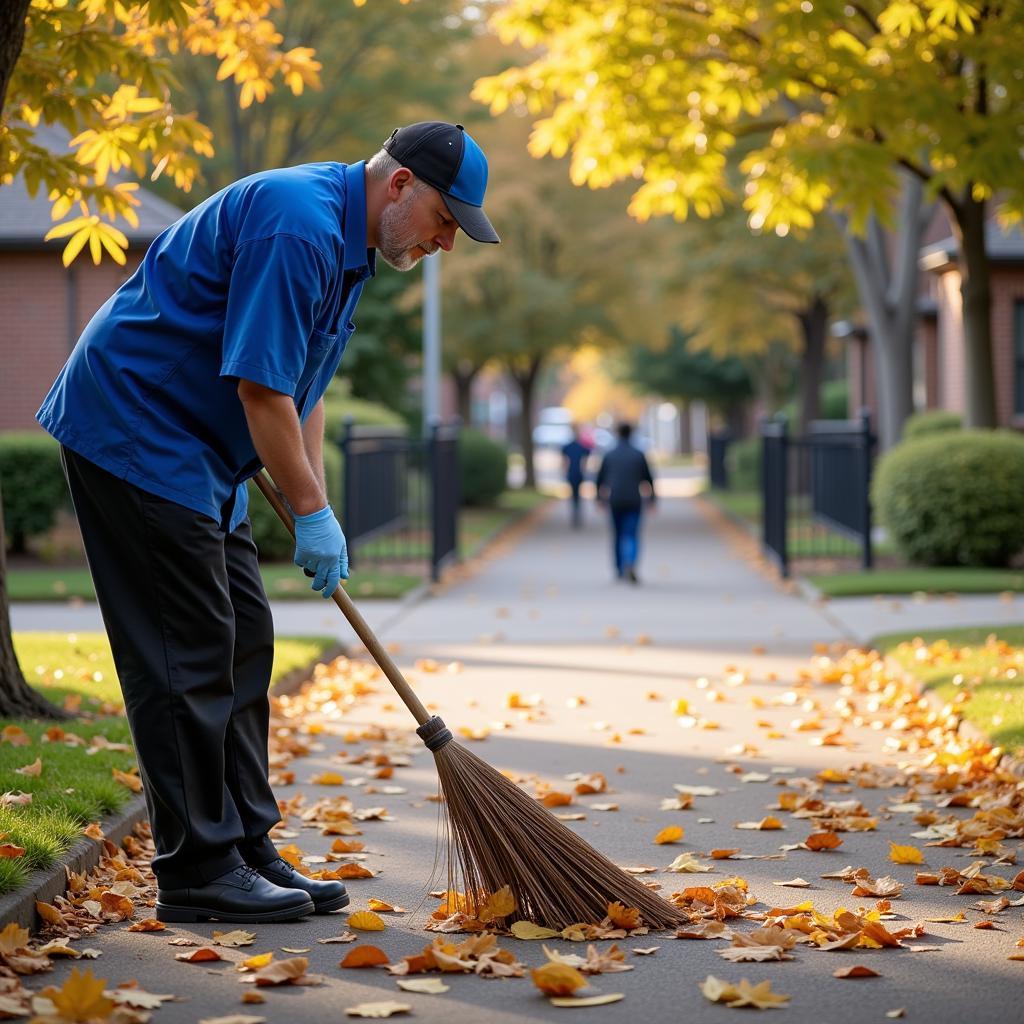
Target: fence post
(348, 496)
(775, 491)
(867, 450)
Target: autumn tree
(100, 69)
(838, 99)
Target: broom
(495, 834)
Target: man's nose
(446, 239)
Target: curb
(291, 681)
(43, 885)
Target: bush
(935, 421)
(273, 541)
(835, 400)
(954, 498)
(743, 463)
(483, 468)
(32, 484)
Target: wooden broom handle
(344, 602)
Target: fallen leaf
(287, 972)
(365, 956)
(198, 956)
(555, 979)
(258, 962)
(611, 997)
(855, 971)
(428, 986)
(149, 924)
(80, 997)
(672, 834)
(796, 883)
(822, 841)
(238, 937)
(388, 1009)
(366, 921)
(905, 854)
(529, 930)
(753, 954)
(687, 863)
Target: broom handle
(358, 623)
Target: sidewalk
(607, 662)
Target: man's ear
(399, 181)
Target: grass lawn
(912, 581)
(75, 788)
(955, 662)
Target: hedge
(483, 468)
(935, 421)
(32, 484)
(743, 463)
(954, 498)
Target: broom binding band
(434, 733)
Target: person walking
(623, 482)
(209, 363)
(575, 455)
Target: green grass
(917, 580)
(992, 673)
(76, 788)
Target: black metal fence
(815, 491)
(401, 497)
(718, 448)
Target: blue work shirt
(258, 282)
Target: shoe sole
(336, 904)
(192, 915)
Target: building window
(1018, 357)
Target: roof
(1003, 245)
(25, 219)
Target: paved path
(543, 617)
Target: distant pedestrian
(624, 481)
(576, 453)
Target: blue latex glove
(320, 549)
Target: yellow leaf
(557, 979)
(366, 921)
(671, 834)
(133, 782)
(328, 779)
(529, 930)
(81, 997)
(13, 937)
(905, 854)
(238, 937)
(254, 963)
(498, 904)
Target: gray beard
(395, 240)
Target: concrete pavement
(597, 667)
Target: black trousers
(193, 642)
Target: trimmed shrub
(32, 483)
(483, 468)
(743, 462)
(935, 421)
(955, 498)
(835, 400)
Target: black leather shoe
(326, 896)
(240, 894)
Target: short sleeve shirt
(260, 283)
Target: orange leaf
(342, 846)
(498, 904)
(670, 834)
(855, 971)
(10, 850)
(133, 782)
(365, 956)
(723, 854)
(555, 979)
(199, 956)
(623, 917)
(822, 841)
(556, 799)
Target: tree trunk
(976, 291)
(526, 381)
(814, 324)
(17, 698)
(12, 38)
(889, 298)
(464, 373)
(685, 428)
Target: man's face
(414, 225)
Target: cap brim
(471, 219)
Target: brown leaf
(199, 956)
(365, 956)
(855, 971)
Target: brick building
(939, 337)
(43, 306)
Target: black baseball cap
(446, 157)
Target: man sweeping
(210, 362)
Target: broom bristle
(497, 835)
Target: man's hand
(320, 549)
